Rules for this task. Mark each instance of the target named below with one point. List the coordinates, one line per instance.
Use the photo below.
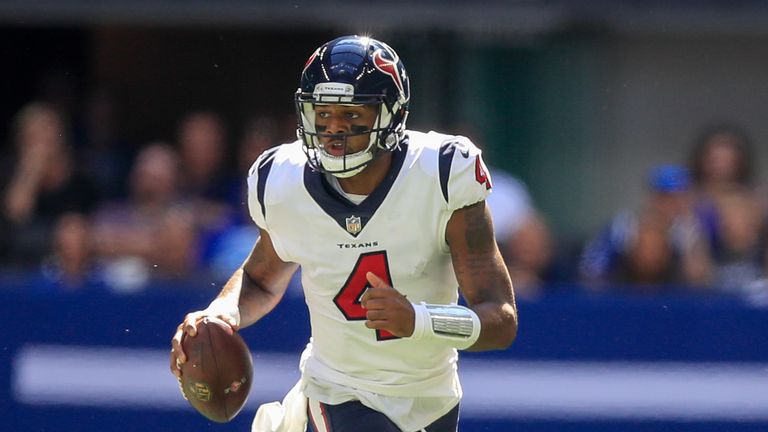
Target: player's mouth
(335, 147)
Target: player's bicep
(478, 264)
(264, 268)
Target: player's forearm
(490, 295)
(498, 325)
(258, 299)
(486, 325)
(250, 298)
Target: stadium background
(577, 100)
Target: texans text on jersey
(357, 245)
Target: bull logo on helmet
(389, 67)
(311, 59)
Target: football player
(388, 226)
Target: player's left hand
(387, 309)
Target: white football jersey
(397, 232)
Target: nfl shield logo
(354, 225)
(200, 391)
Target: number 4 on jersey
(481, 173)
(348, 298)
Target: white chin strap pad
(339, 166)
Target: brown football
(217, 375)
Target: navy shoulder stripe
(444, 164)
(264, 167)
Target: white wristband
(455, 325)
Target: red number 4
(348, 298)
(480, 173)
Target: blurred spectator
(202, 149)
(101, 149)
(728, 204)
(230, 248)
(741, 257)
(153, 231)
(660, 244)
(721, 161)
(45, 183)
(71, 266)
(649, 255)
(205, 182)
(510, 204)
(259, 135)
(522, 234)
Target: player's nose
(337, 124)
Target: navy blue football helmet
(353, 70)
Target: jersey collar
(349, 216)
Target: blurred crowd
(82, 210)
(88, 211)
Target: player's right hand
(189, 327)
(387, 309)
